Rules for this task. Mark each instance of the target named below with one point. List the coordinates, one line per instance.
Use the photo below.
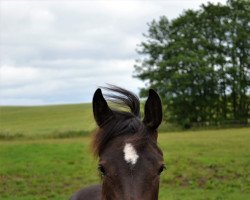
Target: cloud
(16, 76)
(56, 82)
(55, 52)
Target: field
(45, 121)
(40, 160)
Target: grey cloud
(60, 53)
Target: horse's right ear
(153, 111)
(101, 110)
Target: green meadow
(46, 121)
(45, 154)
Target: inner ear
(101, 110)
(153, 111)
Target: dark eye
(161, 169)
(101, 170)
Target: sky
(60, 52)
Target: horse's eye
(101, 170)
(161, 169)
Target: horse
(130, 161)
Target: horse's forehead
(130, 154)
(128, 150)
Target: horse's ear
(101, 110)
(153, 111)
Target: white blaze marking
(130, 154)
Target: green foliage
(199, 63)
(209, 165)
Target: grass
(35, 164)
(45, 121)
(208, 165)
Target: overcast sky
(55, 52)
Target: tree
(199, 63)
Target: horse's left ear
(101, 110)
(153, 111)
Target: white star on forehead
(130, 154)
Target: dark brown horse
(130, 162)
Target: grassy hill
(54, 121)
(45, 121)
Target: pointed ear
(101, 110)
(153, 111)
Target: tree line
(200, 64)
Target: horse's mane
(124, 121)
